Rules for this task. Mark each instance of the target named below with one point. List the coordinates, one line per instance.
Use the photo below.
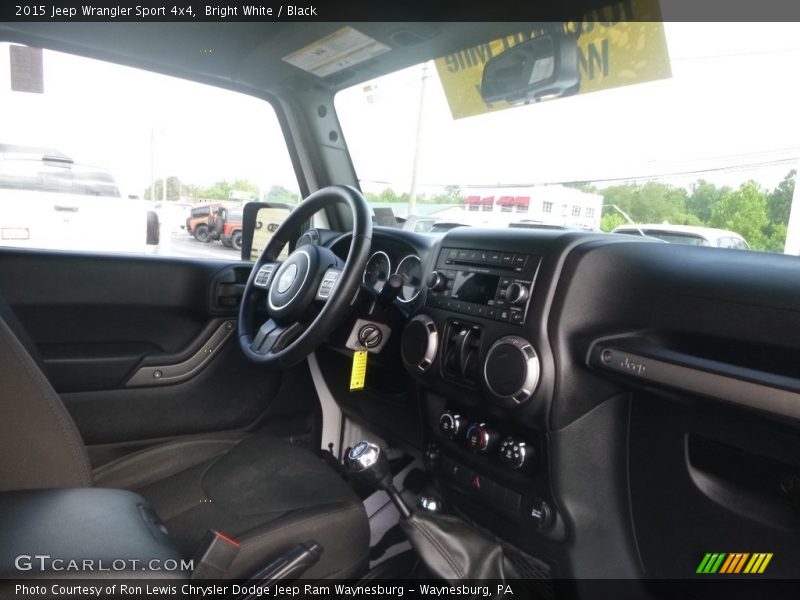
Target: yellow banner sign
(614, 50)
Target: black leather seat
(263, 491)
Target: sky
(732, 100)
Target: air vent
(460, 352)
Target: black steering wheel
(310, 292)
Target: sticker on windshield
(614, 50)
(343, 48)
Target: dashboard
(584, 395)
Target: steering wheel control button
(480, 437)
(515, 453)
(451, 425)
(263, 276)
(511, 370)
(419, 344)
(328, 282)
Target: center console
(479, 351)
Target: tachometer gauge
(410, 269)
(377, 271)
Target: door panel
(98, 319)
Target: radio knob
(437, 282)
(516, 293)
(452, 425)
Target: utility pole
(412, 194)
(793, 228)
(153, 164)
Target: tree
(652, 202)
(173, 189)
(278, 193)
(452, 194)
(221, 190)
(745, 212)
(611, 220)
(702, 198)
(779, 202)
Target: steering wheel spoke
(327, 286)
(272, 337)
(264, 276)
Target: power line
(632, 178)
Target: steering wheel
(310, 292)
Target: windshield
(711, 141)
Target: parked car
(199, 223)
(231, 221)
(61, 204)
(172, 215)
(688, 234)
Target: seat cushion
(263, 491)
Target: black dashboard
(568, 390)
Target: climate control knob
(452, 425)
(516, 293)
(480, 437)
(437, 282)
(515, 453)
(511, 370)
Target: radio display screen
(478, 288)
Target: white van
(688, 234)
(49, 201)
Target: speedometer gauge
(377, 271)
(410, 269)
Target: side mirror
(260, 220)
(543, 67)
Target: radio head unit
(484, 283)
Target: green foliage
(761, 217)
(743, 211)
(702, 197)
(221, 190)
(652, 202)
(779, 201)
(278, 193)
(173, 189)
(611, 220)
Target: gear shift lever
(367, 462)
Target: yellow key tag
(359, 372)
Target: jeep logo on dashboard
(631, 365)
(287, 278)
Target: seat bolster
(341, 529)
(141, 468)
(40, 446)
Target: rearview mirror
(260, 220)
(543, 67)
